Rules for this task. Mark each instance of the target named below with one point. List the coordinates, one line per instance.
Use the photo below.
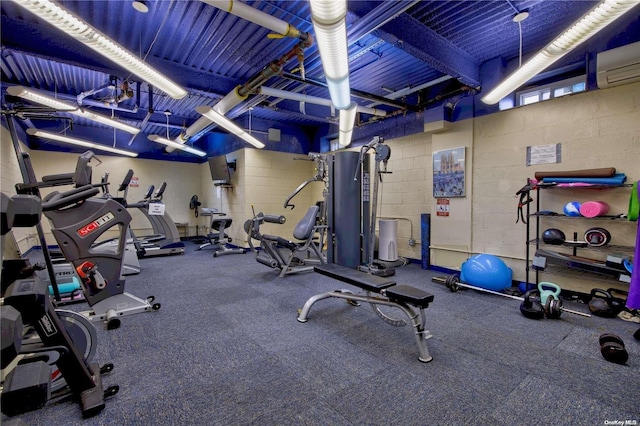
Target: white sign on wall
(544, 154)
(156, 209)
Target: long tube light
(183, 147)
(228, 125)
(347, 122)
(78, 142)
(43, 99)
(590, 24)
(329, 24)
(65, 21)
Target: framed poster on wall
(449, 173)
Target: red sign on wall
(442, 207)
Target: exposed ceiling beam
(410, 35)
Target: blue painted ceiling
(393, 45)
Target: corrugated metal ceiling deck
(393, 45)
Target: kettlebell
(531, 306)
(547, 290)
(603, 304)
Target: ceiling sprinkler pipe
(258, 17)
(240, 93)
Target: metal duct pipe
(258, 17)
(270, 91)
(240, 93)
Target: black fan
(194, 204)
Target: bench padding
(354, 277)
(412, 295)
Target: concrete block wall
(596, 129)
(406, 193)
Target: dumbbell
(612, 348)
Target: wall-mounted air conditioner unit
(618, 66)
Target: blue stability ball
(572, 209)
(486, 271)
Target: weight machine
(286, 255)
(351, 207)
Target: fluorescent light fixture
(228, 125)
(73, 26)
(40, 98)
(79, 142)
(44, 99)
(329, 24)
(347, 122)
(167, 142)
(593, 21)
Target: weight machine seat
(357, 278)
(304, 229)
(281, 241)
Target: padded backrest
(304, 228)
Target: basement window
(553, 90)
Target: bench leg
(417, 319)
(342, 294)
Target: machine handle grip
(59, 200)
(272, 218)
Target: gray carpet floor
(226, 349)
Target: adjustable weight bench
(410, 300)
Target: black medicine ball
(553, 236)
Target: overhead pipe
(364, 26)
(385, 13)
(240, 93)
(270, 91)
(258, 17)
